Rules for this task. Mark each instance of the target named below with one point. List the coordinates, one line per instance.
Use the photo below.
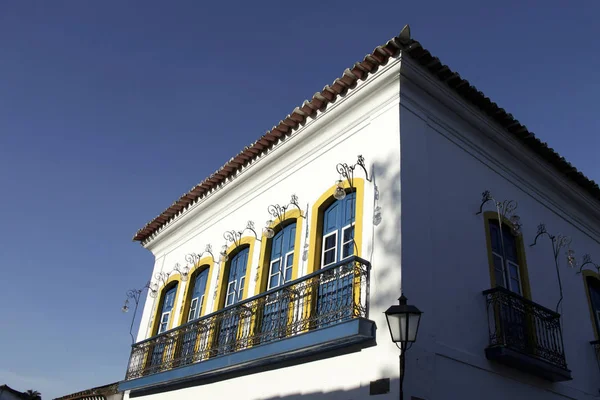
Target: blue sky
(110, 110)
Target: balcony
(321, 311)
(525, 335)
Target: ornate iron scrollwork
(506, 210)
(135, 295)
(587, 260)
(235, 237)
(347, 171)
(559, 242)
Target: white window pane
(348, 234)
(273, 281)
(499, 278)
(329, 257)
(241, 288)
(515, 286)
(230, 299)
(275, 265)
(348, 250)
(289, 263)
(330, 242)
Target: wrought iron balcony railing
(525, 335)
(330, 296)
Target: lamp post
(403, 321)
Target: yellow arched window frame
(292, 216)
(490, 217)
(202, 265)
(316, 234)
(158, 353)
(173, 280)
(589, 275)
(246, 241)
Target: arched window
(166, 308)
(282, 257)
(235, 275)
(338, 230)
(197, 293)
(281, 268)
(165, 317)
(194, 307)
(506, 252)
(336, 226)
(508, 270)
(593, 291)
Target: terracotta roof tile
(361, 70)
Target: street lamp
(403, 321)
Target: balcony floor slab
(347, 333)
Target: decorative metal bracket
(236, 236)
(505, 209)
(587, 260)
(161, 280)
(558, 243)
(184, 271)
(278, 212)
(135, 295)
(194, 258)
(347, 171)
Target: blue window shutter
(349, 202)
(339, 214)
(331, 218)
(281, 244)
(291, 236)
(276, 245)
(169, 300)
(237, 270)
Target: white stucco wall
(363, 122)
(431, 160)
(450, 155)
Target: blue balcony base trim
(341, 335)
(527, 363)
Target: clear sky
(110, 110)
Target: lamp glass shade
(403, 322)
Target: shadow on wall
(382, 389)
(254, 370)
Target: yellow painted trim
(173, 278)
(224, 270)
(264, 261)
(204, 263)
(316, 234)
(493, 215)
(589, 273)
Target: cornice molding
(554, 191)
(386, 76)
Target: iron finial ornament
(135, 296)
(558, 242)
(587, 260)
(278, 213)
(506, 210)
(347, 171)
(183, 271)
(235, 237)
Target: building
(444, 204)
(106, 392)
(8, 393)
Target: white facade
(430, 156)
